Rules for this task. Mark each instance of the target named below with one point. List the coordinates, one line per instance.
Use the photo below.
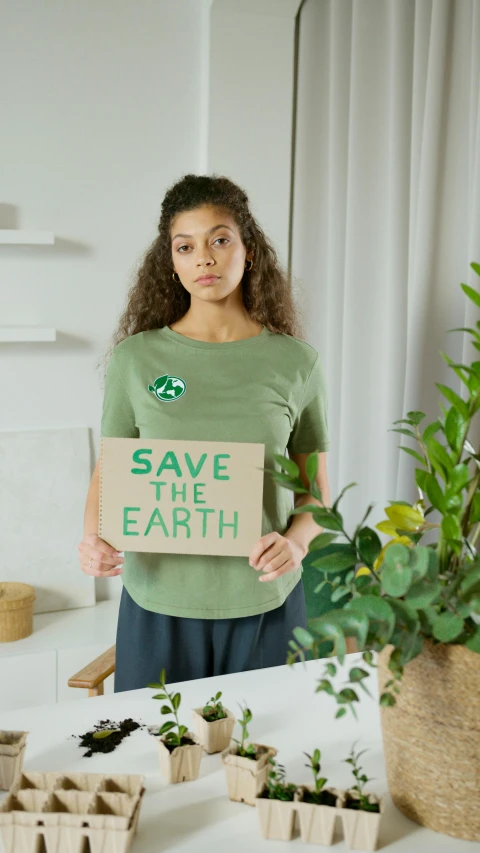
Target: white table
(198, 817)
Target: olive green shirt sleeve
(310, 428)
(118, 416)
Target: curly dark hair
(155, 300)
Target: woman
(212, 307)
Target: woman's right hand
(98, 558)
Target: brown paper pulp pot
(12, 751)
(276, 818)
(183, 763)
(439, 703)
(361, 828)
(214, 736)
(317, 823)
(246, 777)
(71, 812)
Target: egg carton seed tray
(65, 820)
(89, 782)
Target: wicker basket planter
(214, 736)
(317, 822)
(361, 828)
(276, 818)
(246, 777)
(16, 611)
(182, 764)
(439, 704)
(51, 811)
(12, 751)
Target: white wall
(106, 105)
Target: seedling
(166, 731)
(363, 801)
(277, 787)
(249, 751)
(213, 710)
(318, 796)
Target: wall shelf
(17, 334)
(20, 237)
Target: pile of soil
(186, 741)
(323, 798)
(108, 742)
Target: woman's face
(206, 242)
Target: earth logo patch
(168, 388)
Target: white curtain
(386, 220)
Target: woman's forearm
(303, 528)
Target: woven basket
(16, 611)
(431, 739)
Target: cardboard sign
(181, 497)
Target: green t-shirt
(269, 388)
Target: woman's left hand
(276, 555)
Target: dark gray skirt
(148, 642)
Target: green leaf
(454, 399)
(176, 701)
(165, 709)
(438, 453)
(458, 479)
(166, 727)
(416, 417)
(404, 432)
(340, 713)
(328, 627)
(451, 527)
(475, 509)
(104, 733)
(338, 593)
(447, 627)
(337, 561)
(357, 674)
(396, 576)
(455, 429)
(423, 593)
(347, 695)
(321, 541)
(303, 636)
(331, 669)
(418, 562)
(475, 267)
(369, 544)
(412, 453)
(377, 611)
(420, 478)
(288, 465)
(474, 642)
(471, 293)
(387, 700)
(431, 430)
(326, 518)
(434, 492)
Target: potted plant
(316, 805)
(246, 765)
(12, 751)
(361, 813)
(413, 606)
(276, 805)
(179, 752)
(213, 725)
